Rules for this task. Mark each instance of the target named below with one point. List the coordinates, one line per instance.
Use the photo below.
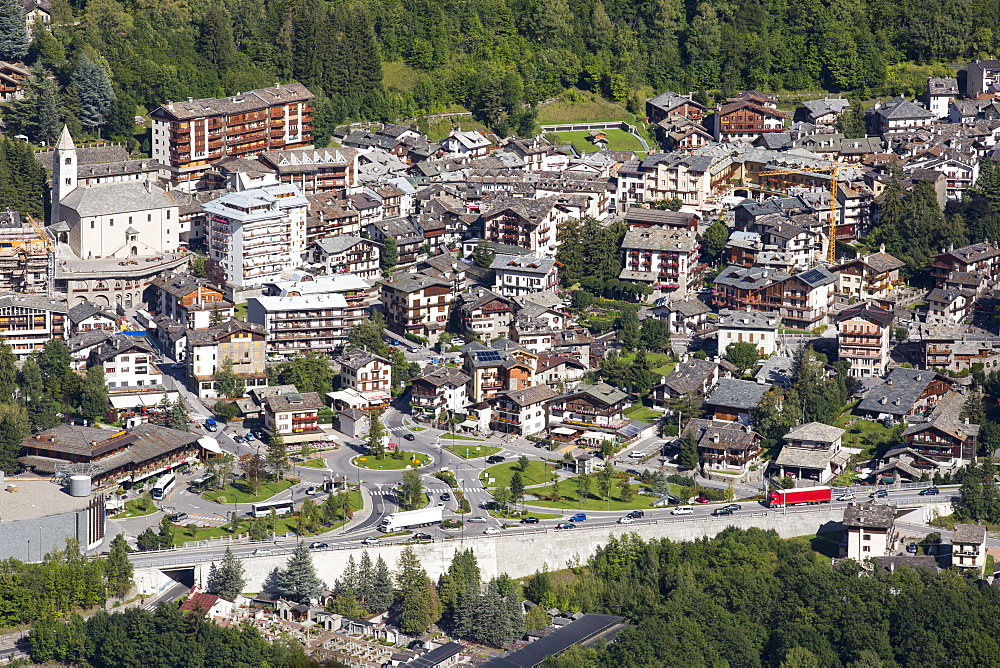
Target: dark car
(318, 546)
(408, 437)
(930, 491)
(879, 494)
(177, 518)
(633, 472)
(733, 507)
(719, 512)
(239, 439)
(564, 526)
(529, 520)
(495, 459)
(446, 497)
(636, 514)
(422, 536)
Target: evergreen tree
(215, 38)
(516, 625)
(493, 621)
(13, 31)
(363, 588)
(368, 335)
(376, 435)
(177, 416)
(277, 454)
(713, 242)
(583, 485)
(483, 255)
(420, 606)
(688, 457)
(94, 396)
(298, 580)
(8, 374)
(516, 487)
(389, 257)
(95, 93)
(227, 580)
(119, 569)
(43, 413)
(381, 587)
(53, 363)
(411, 495)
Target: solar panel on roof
(488, 356)
(812, 275)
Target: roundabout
(410, 460)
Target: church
(117, 219)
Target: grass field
(589, 108)
(391, 464)
(618, 140)
(538, 472)
(137, 508)
(317, 463)
(640, 412)
(571, 498)
(398, 75)
(265, 490)
(459, 437)
(470, 451)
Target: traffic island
(414, 460)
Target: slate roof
(293, 401)
(181, 285)
(669, 100)
(238, 104)
(775, 370)
(602, 392)
(355, 358)
(898, 393)
(815, 431)
(40, 302)
(84, 310)
(732, 393)
(749, 278)
(688, 377)
(523, 263)
(439, 376)
(120, 197)
(874, 314)
(947, 417)
(339, 244)
(899, 108)
(528, 209)
(869, 516)
(826, 106)
(661, 239)
(415, 282)
(716, 433)
(88, 339)
(529, 396)
(747, 320)
(969, 533)
(119, 345)
(809, 458)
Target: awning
(564, 431)
(597, 436)
(470, 424)
(210, 445)
(376, 397)
(147, 399)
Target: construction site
(26, 255)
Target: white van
(682, 510)
(635, 454)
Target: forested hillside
(487, 55)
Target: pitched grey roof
(442, 375)
(40, 302)
(899, 108)
(84, 310)
(947, 417)
(749, 278)
(277, 403)
(119, 345)
(529, 396)
(661, 239)
(688, 377)
(898, 393)
(809, 458)
(111, 198)
(731, 393)
(355, 358)
(523, 263)
(601, 391)
(870, 516)
(815, 431)
(775, 370)
(339, 244)
(238, 104)
(747, 320)
(969, 533)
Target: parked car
(478, 518)
(719, 512)
(372, 540)
(579, 517)
(733, 507)
(250, 436)
(846, 496)
(625, 520)
(261, 553)
(446, 497)
(702, 499)
(177, 518)
(239, 439)
(491, 531)
(563, 525)
(912, 548)
(408, 437)
(879, 494)
(495, 459)
(529, 520)
(682, 510)
(422, 536)
(930, 491)
(318, 546)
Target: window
(866, 548)
(69, 181)
(91, 224)
(867, 537)
(69, 161)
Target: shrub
(451, 524)
(681, 480)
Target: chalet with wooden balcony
(670, 105)
(364, 371)
(188, 137)
(531, 224)
(746, 119)
(331, 171)
(949, 346)
(726, 450)
(812, 451)
(12, 80)
(981, 258)
(188, 300)
(409, 239)
(417, 304)
(347, 254)
(945, 436)
(871, 276)
(522, 412)
(329, 217)
(439, 390)
(863, 336)
(801, 300)
(904, 393)
(484, 314)
(523, 274)
(693, 378)
(500, 367)
(664, 258)
(590, 406)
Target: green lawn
(231, 494)
(240, 311)
(861, 431)
(137, 508)
(640, 412)
(538, 472)
(826, 544)
(459, 437)
(571, 499)
(467, 451)
(517, 515)
(618, 140)
(391, 464)
(317, 463)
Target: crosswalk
(398, 430)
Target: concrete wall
(31, 539)
(518, 554)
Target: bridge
(517, 552)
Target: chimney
(190, 99)
(170, 105)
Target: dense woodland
(748, 598)
(487, 55)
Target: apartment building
(981, 258)
(316, 322)
(522, 412)
(255, 235)
(187, 300)
(438, 390)
(495, 370)
(348, 255)
(129, 364)
(417, 304)
(28, 322)
(484, 314)
(968, 547)
(25, 257)
(363, 371)
(527, 223)
(863, 336)
(189, 137)
(523, 274)
(295, 416)
(725, 448)
(801, 300)
(871, 276)
(315, 170)
(760, 329)
(206, 350)
(664, 258)
(598, 405)
(870, 530)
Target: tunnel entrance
(183, 576)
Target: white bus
(278, 507)
(163, 486)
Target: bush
(451, 524)
(447, 477)
(670, 430)
(681, 480)
(713, 494)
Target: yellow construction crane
(40, 231)
(831, 255)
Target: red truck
(791, 497)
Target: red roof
(200, 602)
